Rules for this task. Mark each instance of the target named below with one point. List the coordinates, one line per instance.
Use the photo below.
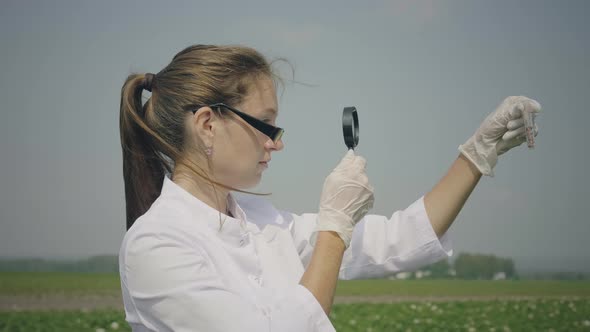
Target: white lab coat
(180, 272)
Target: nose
(276, 146)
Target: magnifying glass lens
(350, 127)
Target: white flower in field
(416, 321)
(531, 316)
(352, 322)
(472, 329)
(100, 329)
(377, 317)
(369, 329)
(586, 323)
(492, 329)
(506, 328)
(413, 306)
(114, 326)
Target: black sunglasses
(274, 133)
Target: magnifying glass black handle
(350, 127)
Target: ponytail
(153, 135)
(143, 167)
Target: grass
(529, 315)
(34, 283)
(442, 288)
(570, 313)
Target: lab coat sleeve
(380, 246)
(174, 287)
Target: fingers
(349, 155)
(514, 124)
(516, 111)
(516, 128)
(519, 104)
(513, 133)
(533, 105)
(360, 163)
(351, 160)
(347, 160)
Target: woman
(196, 258)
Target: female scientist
(196, 258)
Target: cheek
(243, 146)
(235, 159)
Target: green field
(417, 305)
(33, 283)
(532, 315)
(464, 288)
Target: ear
(204, 123)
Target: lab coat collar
(233, 227)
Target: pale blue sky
(423, 75)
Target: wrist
(330, 240)
(472, 167)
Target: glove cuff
(482, 156)
(335, 221)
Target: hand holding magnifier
(350, 127)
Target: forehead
(261, 97)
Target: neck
(201, 188)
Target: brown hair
(152, 135)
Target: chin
(251, 183)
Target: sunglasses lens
(278, 135)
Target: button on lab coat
(181, 271)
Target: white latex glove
(346, 198)
(499, 132)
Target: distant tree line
(467, 266)
(477, 266)
(94, 264)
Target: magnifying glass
(350, 127)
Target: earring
(209, 151)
